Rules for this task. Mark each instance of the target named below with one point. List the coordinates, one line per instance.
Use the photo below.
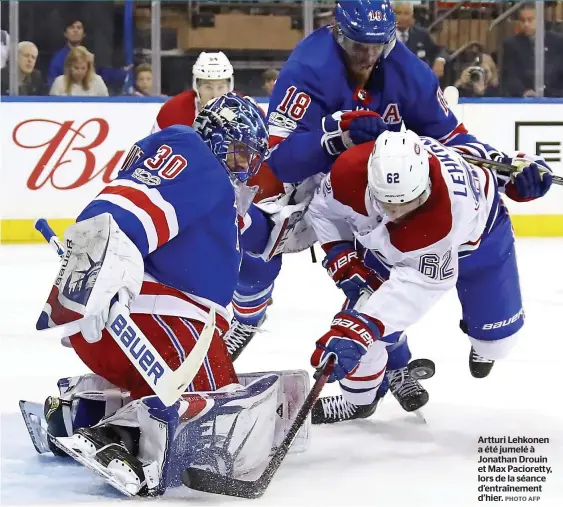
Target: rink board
(57, 155)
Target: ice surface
(390, 460)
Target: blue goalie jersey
(314, 83)
(175, 201)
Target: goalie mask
(233, 128)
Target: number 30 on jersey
(168, 164)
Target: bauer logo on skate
(139, 350)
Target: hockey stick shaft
(300, 419)
(505, 169)
(166, 383)
(210, 482)
(42, 226)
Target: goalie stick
(172, 383)
(211, 482)
(505, 169)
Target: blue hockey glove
(530, 183)
(349, 272)
(362, 126)
(533, 179)
(349, 338)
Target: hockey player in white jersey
(410, 219)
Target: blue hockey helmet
(234, 130)
(366, 21)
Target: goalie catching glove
(350, 336)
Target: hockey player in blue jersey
(342, 86)
(165, 237)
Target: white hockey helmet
(213, 66)
(398, 168)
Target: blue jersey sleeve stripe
(140, 214)
(128, 222)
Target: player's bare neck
(360, 77)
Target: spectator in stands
(74, 34)
(30, 80)
(418, 39)
(269, 79)
(479, 79)
(79, 78)
(4, 48)
(143, 80)
(518, 62)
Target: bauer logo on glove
(351, 334)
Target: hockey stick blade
(211, 482)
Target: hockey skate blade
(92, 465)
(420, 414)
(36, 425)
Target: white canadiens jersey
(422, 250)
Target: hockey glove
(362, 126)
(532, 180)
(349, 272)
(349, 338)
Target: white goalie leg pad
(100, 261)
(94, 387)
(237, 435)
(231, 431)
(75, 391)
(495, 349)
(72, 392)
(361, 387)
(295, 386)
